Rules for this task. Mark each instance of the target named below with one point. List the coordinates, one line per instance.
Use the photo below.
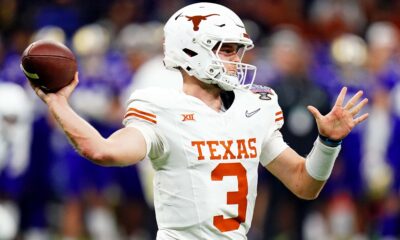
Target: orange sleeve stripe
(141, 112)
(278, 113)
(132, 114)
(278, 119)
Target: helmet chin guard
(192, 34)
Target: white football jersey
(205, 184)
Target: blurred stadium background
(305, 49)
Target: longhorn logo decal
(197, 19)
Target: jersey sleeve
(272, 147)
(273, 144)
(140, 107)
(142, 114)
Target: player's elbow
(307, 192)
(307, 195)
(306, 187)
(99, 156)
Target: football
(49, 65)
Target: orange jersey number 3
(239, 197)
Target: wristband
(329, 142)
(320, 161)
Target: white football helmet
(194, 31)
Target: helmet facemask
(217, 73)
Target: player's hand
(62, 94)
(339, 122)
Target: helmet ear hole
(189, 52)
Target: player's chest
(205, 135)
(203, 123)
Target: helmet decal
(197, 19)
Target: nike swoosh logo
(249, 114)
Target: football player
(206, 140)
(15, 137)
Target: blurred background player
(381, 160)
(289, 61)
(15, 140)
